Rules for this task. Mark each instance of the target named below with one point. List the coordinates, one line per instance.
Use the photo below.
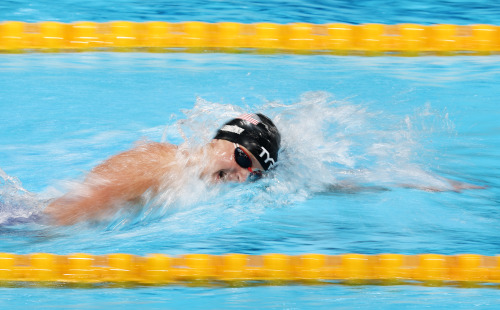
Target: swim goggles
(244, 160)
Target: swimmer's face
(224, 165)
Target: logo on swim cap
(268, 157)
(232, 128)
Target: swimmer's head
(257, 133)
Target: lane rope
(193, 36)
(160, 269)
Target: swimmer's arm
(120, 179)
(454, 186)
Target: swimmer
(244, 146)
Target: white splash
(17, 205)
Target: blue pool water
(461, 12)
(354, 130)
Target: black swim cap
(257, 133)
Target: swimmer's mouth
(254, 176)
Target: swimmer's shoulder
(158, 148)
(144, 154)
